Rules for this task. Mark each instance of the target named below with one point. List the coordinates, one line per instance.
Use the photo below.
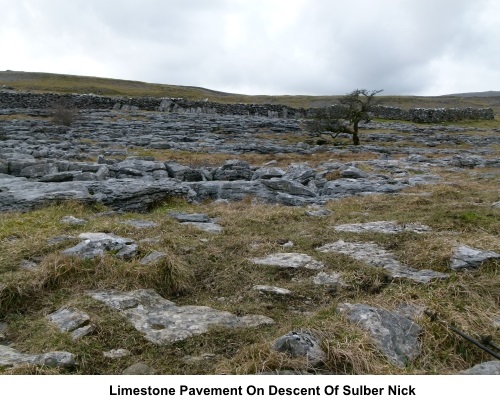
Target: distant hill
(490, 93)
(62, 83)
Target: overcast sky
(316, 47)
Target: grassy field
(214, 270)
(47, 82)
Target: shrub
(63, 114)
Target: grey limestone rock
(390, 227)
(289, 187)
(152, 257)
(329, 279)
(395, 335)
(301, 344)
(488, 368)
(371, 253)
(234, 170)
(182, 172)
(83, 331)
(116, 353)
(265, 173)
(467, 258)
(139, 369)
(183, 217)
(289, 260)
(10, 357)
(318, 213)
(162, 321)
(68, 319)
(352, 172)
(96, 244)
(268, 289)
(71, 220)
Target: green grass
(214, 270)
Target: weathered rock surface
(152, 257)
(71, 220)
(395, 335)
(488, 368)
(328, 279)
(467, 258)
(139, 369)
(96, 244)
(10, 357)
(68, 319)
(389, 227)
(184, 217)
(301, 344)
(289, 260)
(272, 290)
(371, 253)
(19, 194)
(162, 321)
(116, 353)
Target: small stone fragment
(488, 368)
(70, 220)
(183, 217)
(467, 258)
(272, 290)
(332, 279)
(289, 260)
(83, 331)
(139, 369)
(67, 319)
(116, 353)
(152, 257)
(389, 227)
(301, 344)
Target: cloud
(262, 46)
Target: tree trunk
(355, 138)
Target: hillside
(48, 82)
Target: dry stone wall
(16, 100)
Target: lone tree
(354, 108)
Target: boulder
(182, 172)
(96, 244)
(301, 344)
(233, 170)
(467, 258)
(395, 335)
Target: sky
(310, 47)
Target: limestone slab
(162, 321)
(371, 253)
